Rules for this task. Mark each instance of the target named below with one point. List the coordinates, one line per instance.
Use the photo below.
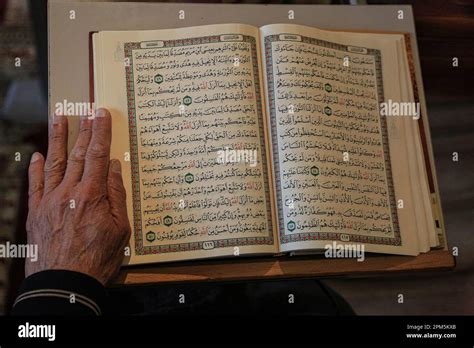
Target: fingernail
(115, 164)
(36, 156)
(100, 113)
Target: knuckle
(98, 151)
(78, 153)
(87, 191)
(35, 187)
(54, 165)
(91, 192)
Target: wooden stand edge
(280, 267)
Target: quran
(237, 140)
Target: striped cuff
(58, 292)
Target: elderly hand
(77, 209)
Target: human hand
(77, 206)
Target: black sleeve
(58, 292)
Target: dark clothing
(75, 294)
(57, 292)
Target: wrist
(59, 292)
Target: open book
(238, 140)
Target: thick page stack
(264, 140)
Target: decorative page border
(140, 249)
(305, 236)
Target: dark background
(445, 29)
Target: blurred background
(445, 29)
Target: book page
(406, 131)
(338, 174)
(187, 109)
(404, 137)
(416, 162)
(432, 215)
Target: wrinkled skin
(77, 211)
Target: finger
(98, 152)
(75, 162)
(55, 164)
(117, 195)
(35, 180)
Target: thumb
(116, 195)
